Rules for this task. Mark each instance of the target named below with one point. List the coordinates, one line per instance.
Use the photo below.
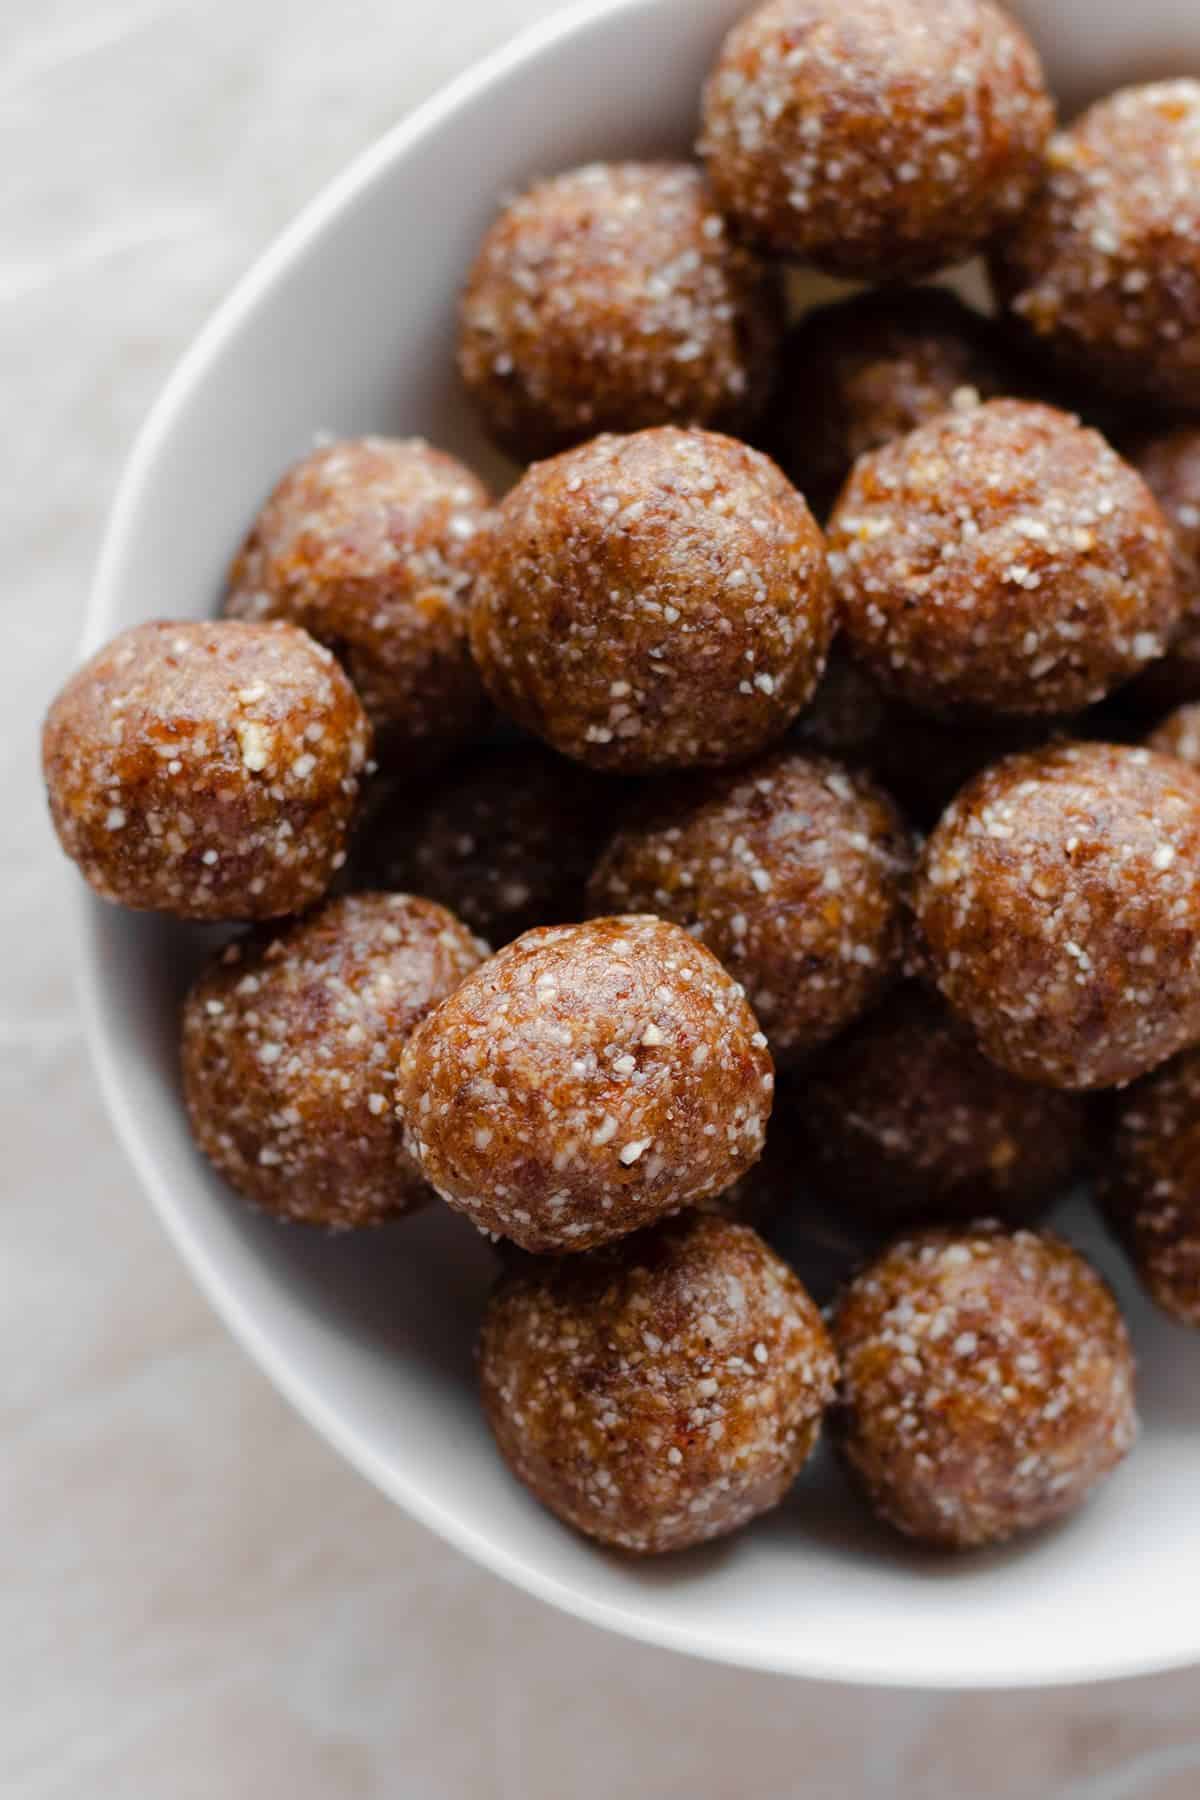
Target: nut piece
(586, 1081)
(659, 1393)
(1152, 1195)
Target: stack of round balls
(568, 823)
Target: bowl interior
(347, 325)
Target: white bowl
(347, 324)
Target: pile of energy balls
(837, 663)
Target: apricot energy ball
(903, 1120)
(1103, 268)
(290, 1046)
(1002, 560)
(987, 1384)
(1152, 1195)
(1059, 905)
(1179, 735)
(653, 601)
(588, 1080)
(879, 139)
(661, 1392)
(210, 771)
(791, 870)
(366, 543)
(1169, 462)
(613, 298)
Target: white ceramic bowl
(347, 324)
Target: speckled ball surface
(210, 771)
(290, 1047)
(1152, 1193)
(612, 298)
(791, 870)
(881, 139)
(904, 1121)
(659, 1393)
(1169, 462)
(1059, 905)
(587, 1081)
(653, 601)
(1103, 268)
(1179, 735)
(987, 1384)
(1002, 560)
(366, 543)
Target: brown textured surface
(791, 870)
(1152, 1192)
(290, 1046)
(612, 298)
(904, 1121)
(653, 601)
(987, 1384)
(366, 544)
(587, 1081)
(1179, 735)
(210, 771)
(881, 140)
(659, 1393)
(1059, 902)
(1169, 463)
(1001, 560)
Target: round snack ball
(1170, 465)
(290, 1046)
(588, 1080)
(1152, 1194)
(659, 1393)
(207, 770)
(1179, 735)
(612, 298)
(987, 1384)
(1059, 905)
(878, 139)
(653, 601)
(366, 543)
(904, 1121)
(859, 373)
(792, 871)
(1103, 268)
(506, 839)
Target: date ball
(1152, 1195)
(879, 139)
(1059, 905)
(653, 601)
(904, 1121)
(987, 1384)
(1002, 560)
(1170, 464)
(1103, 269)
(210, 771)
(792, 871)
(661, 1392)
(613, 298)
(366, 543)
(290, 1047)
(1179, 735)
(589, 1080)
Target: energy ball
(366, 543)
(1152, 1195)
(1059, 905)
(1170, 465)
(987, 1384)
(903, 1121)
(210, 771)
(290, 1047)
(878, 139)
(587, 1081)
(653, 602)
(862, 372)
(659, 1393)
(506, 840)
(1179, 735)
(1001, 560)
(1103, 268)
(613, 298)
(792, 871)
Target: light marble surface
(197, 1599)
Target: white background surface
(196, 1599)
